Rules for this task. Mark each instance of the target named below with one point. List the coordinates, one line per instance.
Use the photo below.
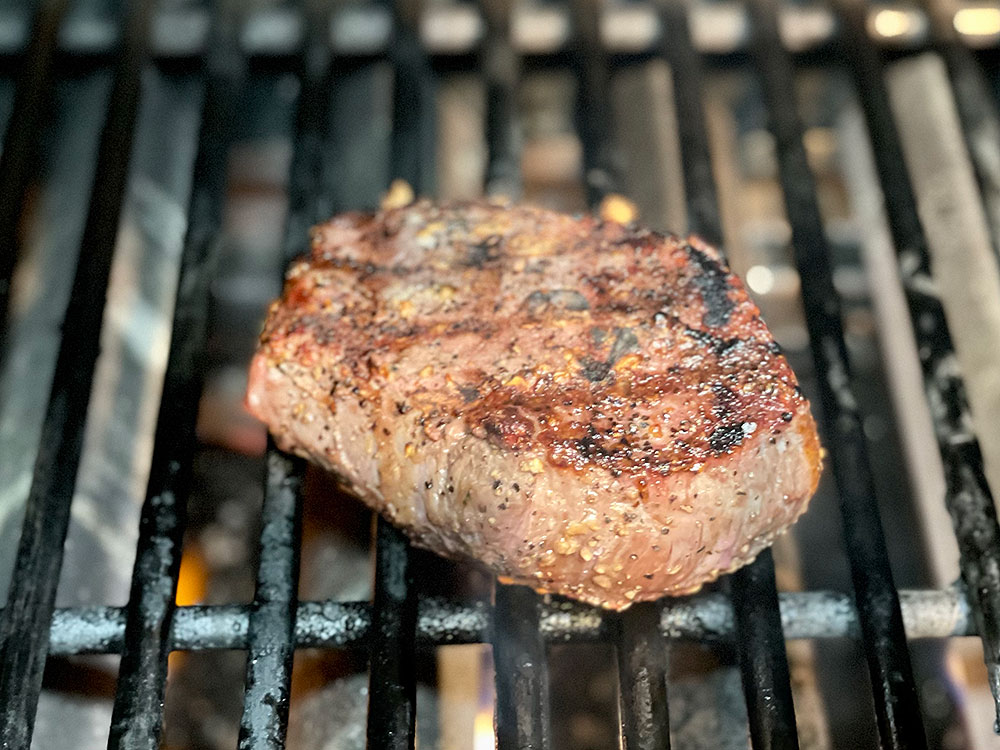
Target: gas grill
(216, 51)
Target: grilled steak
(594, 409)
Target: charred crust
(714, 282)
(508, 428)
(726, 437)
(640, 325)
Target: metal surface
(896, 706)
(763, 662)
(706, 617)
(643, 667)
(968, 496)
(392, 688)
(138, 709)
(400, 621)
(522, 676)
(392, 683)
(23, 629)
(19, 141)
(271, 630)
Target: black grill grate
(400, 620)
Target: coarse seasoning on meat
(590, 408)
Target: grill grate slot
(24, 627)
(968, 497)
(896, 707)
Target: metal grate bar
(271, 629)
(392, 690)
(413, 146)
(23, 129)
(975, 102)
(271, 633)
(594, 116)
(392, 682)
(138, 707)
(706, 617)
(501, 67)
(643, 667)
(522, 675)
(641, 652)
(763, 661)
(24, 628)
(761, 645)
(896, 707)
(968, 496)
(699, 182)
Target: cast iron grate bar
(501, 68)
(522, 675)
(761, 645)
(640, 649)
(763, 660)
(392, 682)
(699, 183)
(24, 630)
(138, 709)
(271, 630)
(602, 175)
(707, 618)
(968, 496)
(643, 668)
(20, 140)
(896, 707)
(271, 634)
(392, 690)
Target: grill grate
(23, 628)
(896, 706)
(400, 620)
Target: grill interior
(175, 88)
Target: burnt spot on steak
(714, 283)
(556, 301)
(508, 428)
(726, 437)
(625, 341)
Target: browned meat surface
(593, 409)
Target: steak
(590, 408)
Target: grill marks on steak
(619, 379)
